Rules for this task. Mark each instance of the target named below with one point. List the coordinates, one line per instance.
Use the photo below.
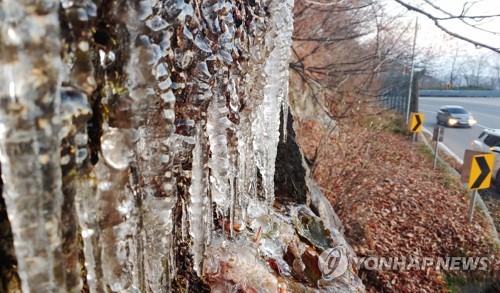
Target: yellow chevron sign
(480, 171)
(416, 122)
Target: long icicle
(153, 103)
(29, 143)
(198, 201)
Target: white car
(489, 141)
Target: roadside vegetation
(392, 203)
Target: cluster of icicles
(157, 118)
(124, 203)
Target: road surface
(485, 110)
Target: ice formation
(153, 140)
(199, 208)
(30, 120)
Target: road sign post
(436, 149)
(472, 204)
(476, 172)
(438, 133)
(437, 136)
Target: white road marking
(481, 125)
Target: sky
(444, 46)
(486, 31)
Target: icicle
(284, 110)
(76, 110)
(184, 225)
(219, 161)
(266, 124)
(231, 205)
(159, 264)
(149, 87)
(29, 144)
(198, 201)
(117, 213)
(250, 86)
(119, 206)
(209, 213)
(86, 208)
(285, 34)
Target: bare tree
(340, 51)
(440, 17)
(473, 70)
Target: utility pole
(411, 71)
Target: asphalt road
(485, 110)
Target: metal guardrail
(459, 93)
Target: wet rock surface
(290, 175)
(142, 150)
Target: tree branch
(441, 27)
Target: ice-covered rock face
(154, 138)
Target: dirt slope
(393, 204)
